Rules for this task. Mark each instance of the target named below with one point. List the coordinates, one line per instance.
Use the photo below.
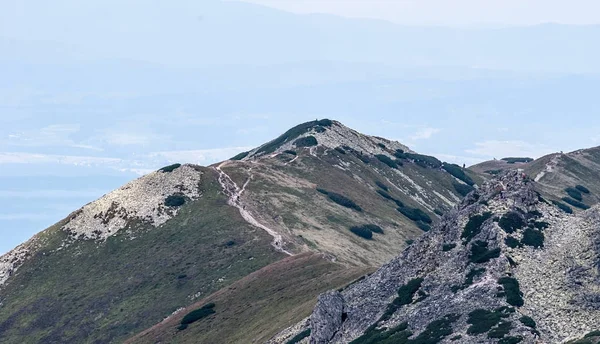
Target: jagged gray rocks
(504, 267)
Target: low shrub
(510, 340)
(407, 291)
(514, 296)
(323, 191)
(493, 172)
(290, 152)
(511, 221)
(533, 237)
(382, 185)
(374, 228)
(574, 193)
(481, 254)
(458, 173)
(399, 153)
(340, 150)
(409, 242)
(482, 320)
(170, 168)
(583, 189)
(528, 321)
(501, 330)
(198, 314)
(307, 141)
(448, 247)
(343, 201)
(423, 226)
(174, 201)
(575, 203)
(385, 195)
(592, 334)
(240, 156)
(541, 225)
(563, 207)
(462, 189)
(381, 145)
(512, 242)
(415, 214)
(387, 160)
(513, 160)
(362, 232)
(473, 226)
(293, 133)
(297, 338)
(423, 160)
(365, 159)
(438, 212)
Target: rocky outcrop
(327, 317)
(505, 266)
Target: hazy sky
(455, 12)
(96, 93)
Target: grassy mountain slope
(259, 305)
(106, 291)
(127, 261)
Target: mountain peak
(326, 133)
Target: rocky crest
(504, 267)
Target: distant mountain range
(238, 252)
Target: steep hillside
(130, 259)
(505, 267)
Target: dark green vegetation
(512, 242)
(290, 152)
(340, 199)
(481, 254)
(510, 340)
(198, 314)
(448, 247)
(434, 333)
(405, 297)
(292, 134)
(528, 321)
(541, 225)
(501, 330)
(424, 161)
(388, 161)
(458, 173)
(340, 150)
(415, 214)
(462, 189)
(362, 232)
(563, 207)
(170, 168)
(514, 296)
(240, 156)
(582, 189)
(575, 203)
(468, 279)
(423, 226)
(511, 221)
(307, 141)
(482, 320)
(382, 186)
(513, 160)
(297, 338)
(574, 193)
(111, 293)
(473, 226)
(245, 309)
(533, 237)
(174, 201)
